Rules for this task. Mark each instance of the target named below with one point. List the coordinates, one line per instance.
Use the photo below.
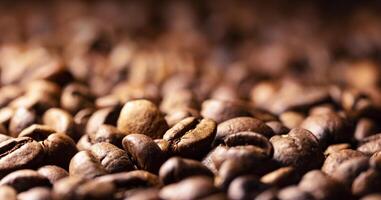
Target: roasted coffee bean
(130, 180)
(4, 137)
(164, 145)
(8, 193)
(191, 188)
(281, 177)
(143, 117)
(53, 173)
(347, 171)
(277, 127)
(9, 93)
(178, 100)
(102, 116)
(145, 153)
(107, 101)
(322, 186)
(367, 182)
(35, 101)
(336, 148)
(370, 145)
(95, 190)
(299, 148)
(364, 128)
(375, 160)
(76, 97)
(191, 137)
(176, 115)
(334, 160)
(37, 132)
(245, 187)
(20, 153)
(111, 157)
(108, 133)
(84, 143)
(61, 121)
(6, 114)
(291, 119)
(59, 149)
(21, 119)
(81, 119)
(37, 193)
(176, 169)
(24, 179)
(328, 128)
(86, 166)
(241, 124)
(65, 188)
(220, 111)
(294, 193)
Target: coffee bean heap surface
(190, 100)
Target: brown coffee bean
(220, 111)
(84, 143)
(191, 188)
(370, 145)
(145, 194)
(144, 152)
(53, 173)
(336, 148)
(4, 137)
(367, 182)
(81, 119)
(37, 102)
(281, 177)
(85, 166)
(37, 132)
(8, 193)
(177, 100)
(164, 145)
(291, 119)
(175, 169)
(107, 101)
(334, 160)
(328, 128)
(178, 114)
(191, 137)
(9, 93)
(24, 179)
(299, 148)
(21, 119)
(111, 157)
(37, 193)
(294, 193)
(59, 149)
(65, 188)
(109, 134)
(102, 116)
(6, 114)
(76, 97)
(347, 171)
(277, 127)
(375, 160)
(269, 194)
(245, 187)
(365, 127)
(61, 121)
(241, 124)
(322, 186)
(96, 190)
(19, 153)
(142, 116)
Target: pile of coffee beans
(186, 100)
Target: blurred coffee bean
(53, 173)
(178, 100)
(336, 148)
(76, 97)
(81, 119)
(21, 119)
(334, 160)
(367, 182)
(20, 153)
(291, 119)
(37, 132)
(61, 121)
(144, 152)
(178, 114)
(59, 149)
(322, 186)
(102, 116)
(375, 160)
(175, 169)
(364, 128)
(347, 171)
(188, 189)
(145, 194)
(132, 179)
(107, 101)
(84, 143)
(109, 134)
(241, 124)
(37, 193)
(281, 177)
(299, 148)
(220, 111)
(294, 193)
(24, 179)
(191, 137)
(277, 127)
(142, 116)
(375, 196)
(9, 93)
(245, 187)
(85, 166)
(370, 145)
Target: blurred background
(118, 46)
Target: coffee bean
(144, 152)
(277, 127)
(175, 169)
(291, 119)
(281, 177)
(107, 133)
(241, 124)
(367, 182)
(102, 116)
(294, 193)
(142, 116)
(21, 119)
(145, 194)
(299, 148)
(24, 179)
(220, 111)
(322, 186)
(6, 114)
(85, 166)
(8, 193)
(347, 171)
(178, 114)
(375, 196)
(76, 97)
(61, 121)
(95, 190)
(65, 188)
(370, 145)
(81, 119)
(364, 128)
(177, 100)
(37, 132)
(37, 193)
(191, 188)
(191, 137)
(336, 159)
(59, 149)
(111, 157)
(336, 148)
(9, 93)
(84, 143)
(19, 153)
(375, 160)
(245, 187)
(53, 173)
